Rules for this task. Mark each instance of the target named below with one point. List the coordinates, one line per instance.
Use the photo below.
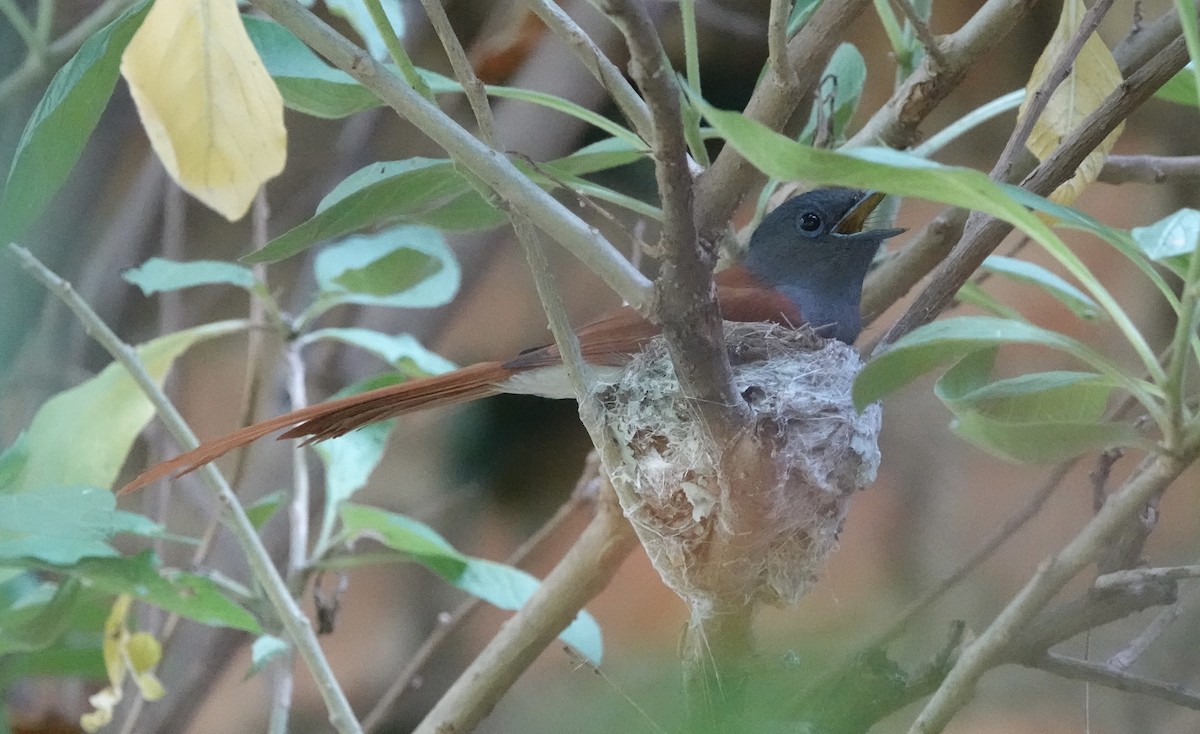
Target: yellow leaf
(211, 111)
(124, 653)
(1093, 76)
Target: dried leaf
(213, 114)
(1092, 77)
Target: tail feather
(337, 417)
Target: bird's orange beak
(855, 219)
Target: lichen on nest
(761, 536)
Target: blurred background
(487, 475)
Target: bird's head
(816, 248)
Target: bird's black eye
(810, 222)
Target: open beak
(858, 219)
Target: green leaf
(379, 195)
(158, 275)
(599, 156)
(801, 10)
(415, 540)
(500, 585)
(81, 436)
(57, 525)
(1181, 88)
(880, 169)
(402, 351)
(188, 595)
(1080, 303)
(951, 339)
(263, 650)
(62, 123)
(847, 73)
(307, 83)
(390, 274)
(1172, 236)
(38, 618)
(1034, 418)
(357, 269)
(264, 508)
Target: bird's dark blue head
(815, 248)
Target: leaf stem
(24, 28)
(396, 49)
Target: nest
(756, 529)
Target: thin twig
(23, 28)
(730, 178)
(1128, 655)
(34, 70)
(1135, 576)
(1101, 674)
(1014, 523)
(928, 41)
(450, 624)
(896, 124)
(472, 86)
(597, 62)
(297, 626)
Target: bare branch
(1136, 576)
(685, 299)
(1150, 480)
(1104, 675)
(1153, 169)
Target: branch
(721, 188)
(980, 241)
(896, 123)
(1153, 477)
(496, 171)
(583, 572)
(685, 302)
(1101, 674)
(928, 41)
(1137, 576)
(1152, 169)
(298, 627)
(594, 59)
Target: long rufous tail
(336, 417)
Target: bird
(805, 265)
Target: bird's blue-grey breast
(813, 249)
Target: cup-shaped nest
(750, 520)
